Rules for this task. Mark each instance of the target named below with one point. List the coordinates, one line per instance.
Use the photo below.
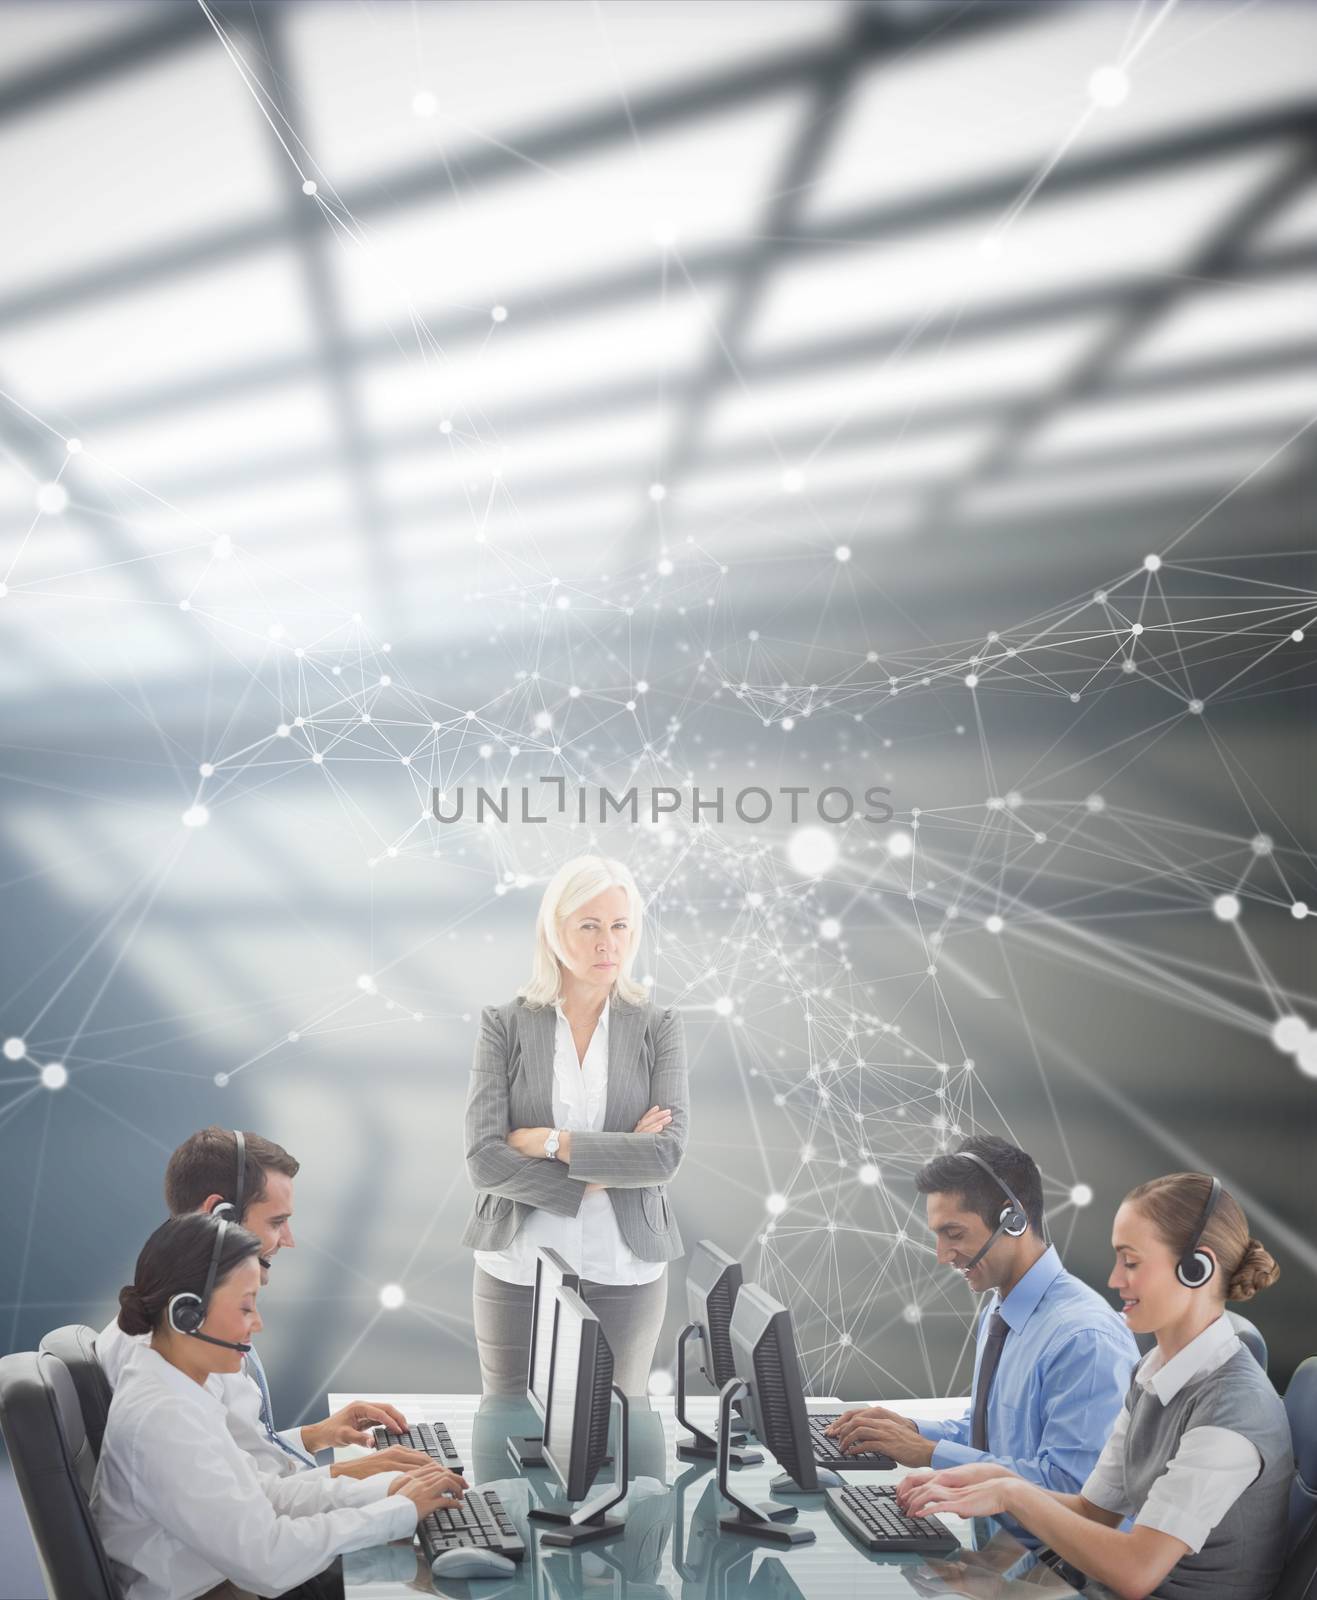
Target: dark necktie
(978, 1426)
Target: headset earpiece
(1013, 1222)
(1196, 1267)
(186, 1313)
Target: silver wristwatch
(551, 1146)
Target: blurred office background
(399, 396)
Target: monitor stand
(761, 1521)
(591, 1522)
(700, 1447)
(527, 1450)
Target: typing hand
(983, 1497)
(888, 1437)
(655, 1120)
(847, 1423)
(349, 1425)
(917, 1492)
(431, 1489)
(397, 1458)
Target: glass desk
(672, 1548)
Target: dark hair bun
(1256, 1270)
(133, 1315)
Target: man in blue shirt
(1053, 1361)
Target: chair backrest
(75, 1345)
(1301, 1408)
(53, 1466)
(1298, 1581)
(1251, 1339)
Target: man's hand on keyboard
(430, 1489)
(848, 1421)
(349, 1426)
(397, 1458)
(885, 1434)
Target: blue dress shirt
(1064, 1371)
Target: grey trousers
(630, 1314)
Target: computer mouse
(471, 1563)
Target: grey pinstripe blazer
(512, 1087)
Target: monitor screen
(764, 1346)
(713, 1279)
(551, 1274)
(561, 1420)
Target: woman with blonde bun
(1200, 1457)
(575, 1124)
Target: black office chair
(1299, 1579)
(75, 1345)
(1301, 1409)
(53, 1466)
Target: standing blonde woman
(576, 1120)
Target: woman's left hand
(989, 1497)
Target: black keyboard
(869, 1513)
(479, 1522)
(827, 1452)
(431, 1438)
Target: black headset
(187, 1312)
(1195, 1267)
(1013, 1220)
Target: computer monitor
(768, 1381)
(713, 1279)
(581, 1391)
(551, 1274)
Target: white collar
(153, 1367)
(603, 1016)
(1210, 1349)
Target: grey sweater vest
(1244, 1553)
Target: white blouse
(181, 1507)
(590, 1242)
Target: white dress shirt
(1211, 1468)
(590, 1242)
(180, 1507)
(239, 1393)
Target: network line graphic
(963, 492)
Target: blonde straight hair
(574, 883)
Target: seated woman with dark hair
(180, 1507)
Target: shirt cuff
(1180, 1524)
(1104, 1495)
(398, 1515)
(949, 1453)
(364, 1491)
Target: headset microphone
(187, 1312)
(1013, 1220)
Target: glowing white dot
(206, 769)
(275, 630)
(52, 498)
(994, 924)
(222, 549)
(829, 929)
(1152, 563)
(392, 1296)
(1081, 1195)
(445, 426)
(1196, 708)
(15, 1049)
(73, 446)
(900, 844)
(868, 1175)
(971, 680)
(812, 851)
(657, 492)
(787, 724)
(793, 480)
(1288, 1034)
(1261, 844)
(665, 568)
(1297, 636)
(282, 731)
(543, 720)
(317, 758)
(912, 1313)
(499, 313)
(1136, 628)
(367, 984)
(196, 817)
(842, 552)
(4, 590)
(424, 104)
(723, 1005)
(309, 187)
(665, 236)
(642, 687)
(1307, 1055)
(574, 693)
(990, 246)
(775, 1204)
(185, 605)
(54, 1075)
(1109, 87)
(660, 1382)
(1226, 907)
(1299, 910)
